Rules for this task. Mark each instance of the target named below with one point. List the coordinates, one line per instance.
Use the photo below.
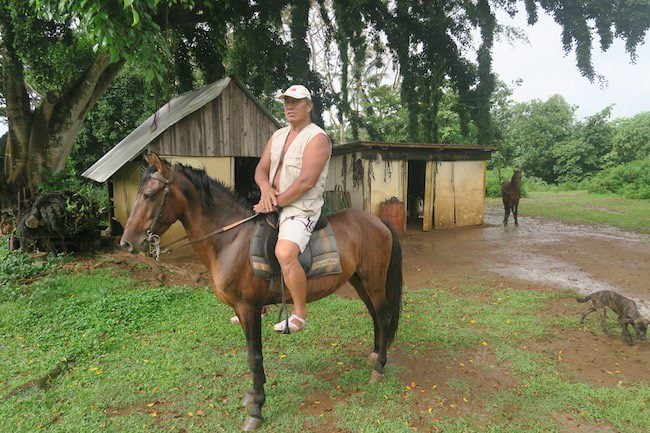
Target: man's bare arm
(314, 158)
(268, 197)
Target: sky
(546, 70)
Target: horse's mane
(210, 189)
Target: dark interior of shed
(245, 184)
(415, 193)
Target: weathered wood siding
(340, 173)
(469, 187)
(454, 190)
(443, 201)
(125, 190)
(230, 125)
(459, 194)
(386, 182)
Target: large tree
(57, 63)
(59, 58)
(433, 46)
(532, 130)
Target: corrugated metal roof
(378, 145)
(175, 110)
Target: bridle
(154, 240)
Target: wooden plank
(443, 203)
(469, 193)
(428, 196)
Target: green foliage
(631, 139)
(531, 130)
(126, 31)
(86, 203)
(128, 103)
(583, 152)
(631, 180)
(15, 266)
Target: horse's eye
(149, 195)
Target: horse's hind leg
(251, 321)
(373, 293)
(358, 285)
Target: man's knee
(286, 252)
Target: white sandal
(279, 327)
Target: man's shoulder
(315, 129)
(284, 129)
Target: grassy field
(85, 351)
(581, 207)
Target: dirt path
(537, 254)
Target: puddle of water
(534, 266)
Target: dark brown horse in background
(510, 194)
(371, 259)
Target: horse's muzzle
(133, 248)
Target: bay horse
(510, 194)
(371, 259)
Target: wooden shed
(221, 127)
(441, 185)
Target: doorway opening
(415, 194)
(245, 184)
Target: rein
(154, 240)
(166, 249)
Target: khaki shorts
(297, 229)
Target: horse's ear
(154, 160)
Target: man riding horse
(291, 175)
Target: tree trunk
(41, 140)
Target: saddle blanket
(321, 256)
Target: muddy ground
(538, 255)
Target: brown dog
(628, 313)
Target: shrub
(17, 265)
(632, 180)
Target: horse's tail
(584, 299)
(394, 283)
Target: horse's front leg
(251, 321)
(506, 209)
(515, 207)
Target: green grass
(584, 208)
(167, 360)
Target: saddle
(320, 257)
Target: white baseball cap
(296, 91)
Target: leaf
(128, 3)
(136, 17)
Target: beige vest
(311, 202)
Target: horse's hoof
(376, 377)
(372, 359)
(247, 400)
(252, 423)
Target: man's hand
(268, 201)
